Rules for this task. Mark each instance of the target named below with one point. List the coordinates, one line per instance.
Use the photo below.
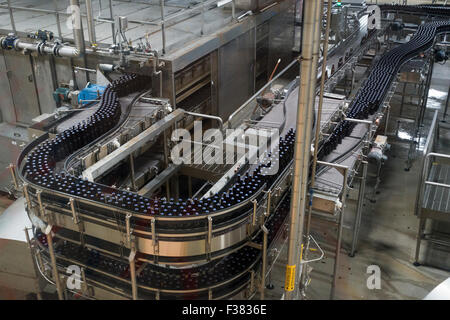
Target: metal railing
(162, 22)
(427, 152)
(245, 111)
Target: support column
(300, 179)
(317, 128)
(264, 262)
(132, 261)
(362, 188)
(55, 272)
(36, 272)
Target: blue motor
(90, 93)
(8, 42)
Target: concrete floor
(388, 229)
(5, 202)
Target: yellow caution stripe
(290, 278)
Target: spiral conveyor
(207, 248)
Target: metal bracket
(13, 174)
(254, 212)
(41, 208)
(264, 260)
(74, 212)
(132, 262)
(154, 240)
(322, 254)
(76, 220)
(269, 199)
(128, 229)
(27, 196)
(210, 296)
(252, 282)
(209, 239)
(255, 245)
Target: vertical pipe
(58, 21)
(319, 114)
(11, 17)
(357, 224)
(202, 29)
(78, 34)
(53, 261)
(305, 107)
(233, 10)
(91, 23)
(77, 25)
(339, 236)
(111, 14)
(163, 30)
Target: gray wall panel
(6, 100)
(236, 74)
(44, 83)
(22, 85)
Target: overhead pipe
(55, 49)
(300, 179)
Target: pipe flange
(55, 49)
(16, 44)
(40, 48)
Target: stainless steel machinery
(104, 190)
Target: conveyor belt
(39, 163)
